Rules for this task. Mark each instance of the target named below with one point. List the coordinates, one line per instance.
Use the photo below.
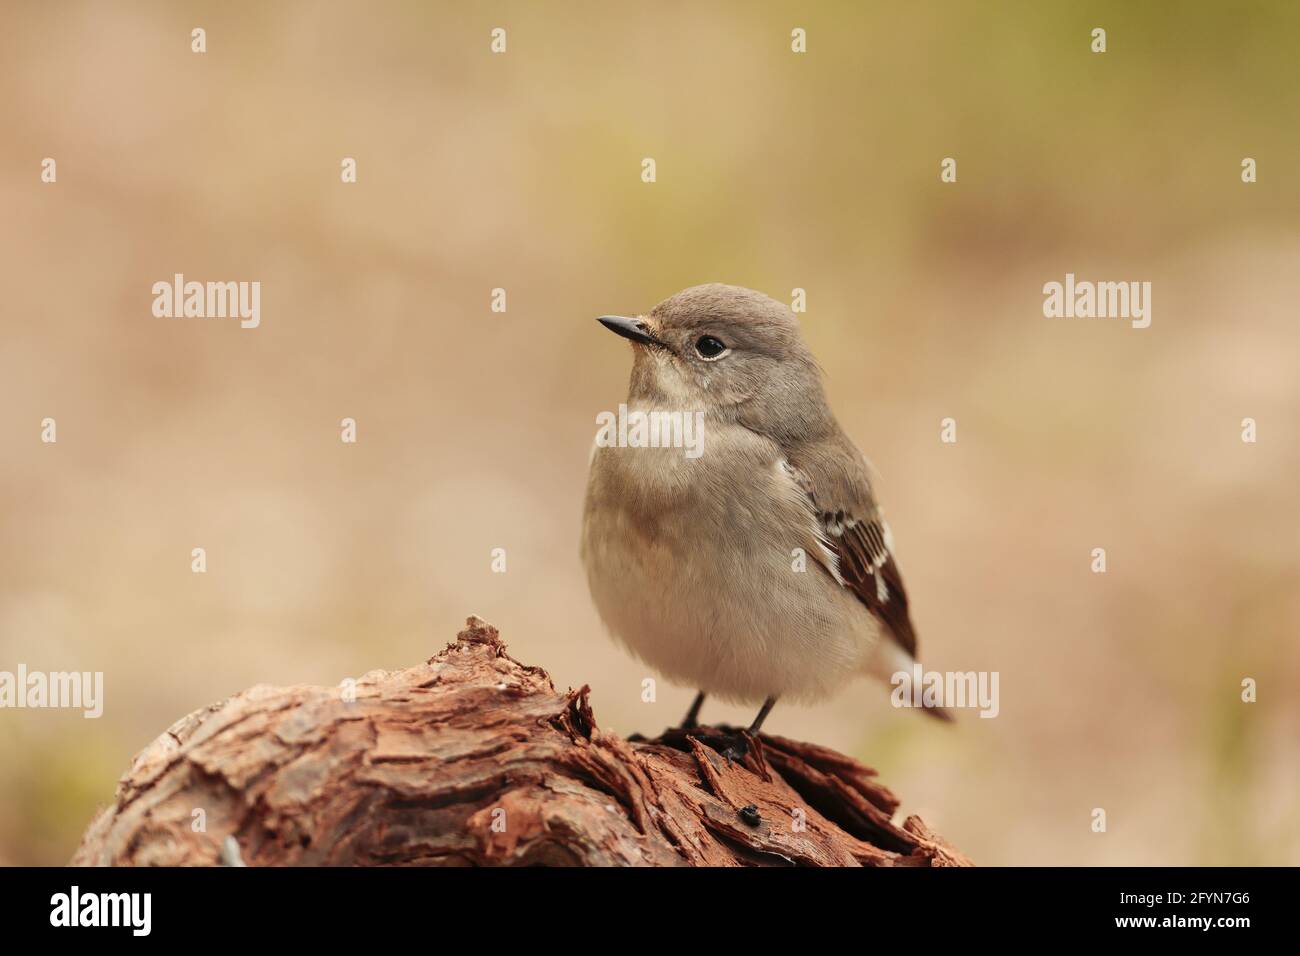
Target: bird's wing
(833, 476)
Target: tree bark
(475, 759)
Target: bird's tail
(937, 712)
(892, 663)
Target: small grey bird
(762, 567)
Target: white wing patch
(832, 525)
(880, 543)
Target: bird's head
(728, 350)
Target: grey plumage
(693, 564)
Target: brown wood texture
(476, 759)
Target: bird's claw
(731, 746)
(737, 749)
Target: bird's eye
(709, 348)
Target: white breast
(694, 566)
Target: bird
(762, 567)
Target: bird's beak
(634, 329)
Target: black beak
(633, 329)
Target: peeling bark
(475, 759)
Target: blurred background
(775, 171)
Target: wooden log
(476, 759)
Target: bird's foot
(732, 746)
(736, 750)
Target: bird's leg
(762, 715)
(740, 746)
(692, 717)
